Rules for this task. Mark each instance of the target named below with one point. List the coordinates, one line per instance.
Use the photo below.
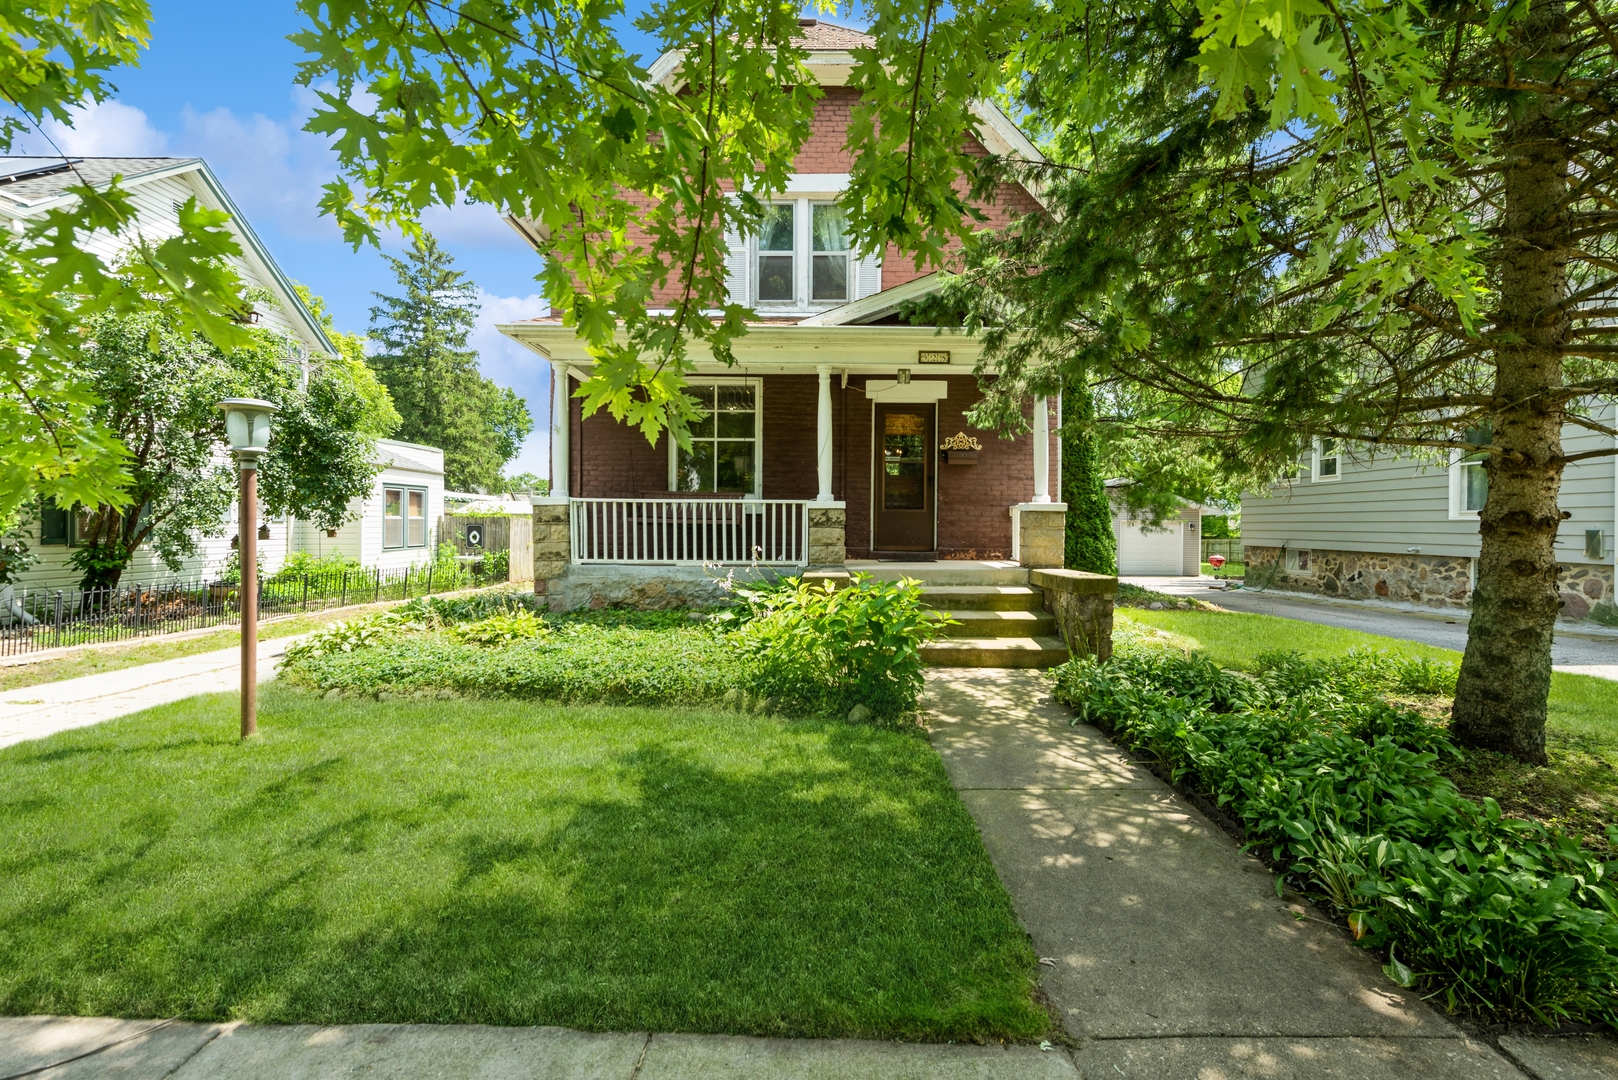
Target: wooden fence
(484, 534)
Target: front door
(905, 460)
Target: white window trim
(1316, 457)
(803, 258)
(758, 438)
(1291, 564)
(1457, 488)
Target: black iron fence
(33, 619)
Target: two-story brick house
(840, 434)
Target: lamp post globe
(247, 430)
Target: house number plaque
(932, 356)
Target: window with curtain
(724, 444)
(777, 254)
(829, 272)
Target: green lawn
(503, 863)
(1578, 790)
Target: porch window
(777, 253)
(404, 517)
(829, 234)
(724, 454)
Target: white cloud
(513, 365)
(107, 129)
(271, 167)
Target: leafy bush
(339, 637)
(301, 563)
(839, 648)
(497, 566)
(1341, 788)
(501, 629)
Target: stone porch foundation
(1439, 581)
(828, 523)
(1039, 534)
(1082, 603)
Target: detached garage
(1172, 548)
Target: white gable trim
(876, 305)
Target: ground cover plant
(1577, 789)
(1340, 781)
(790, 647)
(504, 862)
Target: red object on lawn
(1216, 561)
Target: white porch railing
(727, 532)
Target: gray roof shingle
(25, 181)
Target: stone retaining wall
(1082, 604)
(1440, 581)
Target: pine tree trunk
(1500, 701)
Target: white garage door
(1160, 551)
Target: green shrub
(497, 566)
(1341, 789)
(839, 648)
(301, 563)
(500, 629)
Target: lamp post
(247, 427)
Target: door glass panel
(904, 463)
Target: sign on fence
(488, 533)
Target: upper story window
(829, 236)
(800, 259)
(778, 254)
(724, 454)
(1327, 461)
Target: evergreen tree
(424, 360)
(1091, 544)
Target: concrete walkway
(1165, 949)
(1578, 652)
(34, 712)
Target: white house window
(1298, 561)
(777, 254)
(1468, 486)
(1327, 461)
(404, 517)
(829, 273)
(724, 454)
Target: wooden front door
(906, 458)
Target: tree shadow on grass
(834, 890)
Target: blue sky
(217, 83)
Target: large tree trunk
(1500, 701)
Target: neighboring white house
(396, 525)
(387, 534)
(1366, 526)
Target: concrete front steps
(1001, 618)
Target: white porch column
(560, 390)
(1042, 451)
(823, 434)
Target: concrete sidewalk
(34, 712)
(1577, 652)
(1164, 948)
(74, 1048)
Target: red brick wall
(824, 152)
(613, 460)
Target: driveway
(1595, 654)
